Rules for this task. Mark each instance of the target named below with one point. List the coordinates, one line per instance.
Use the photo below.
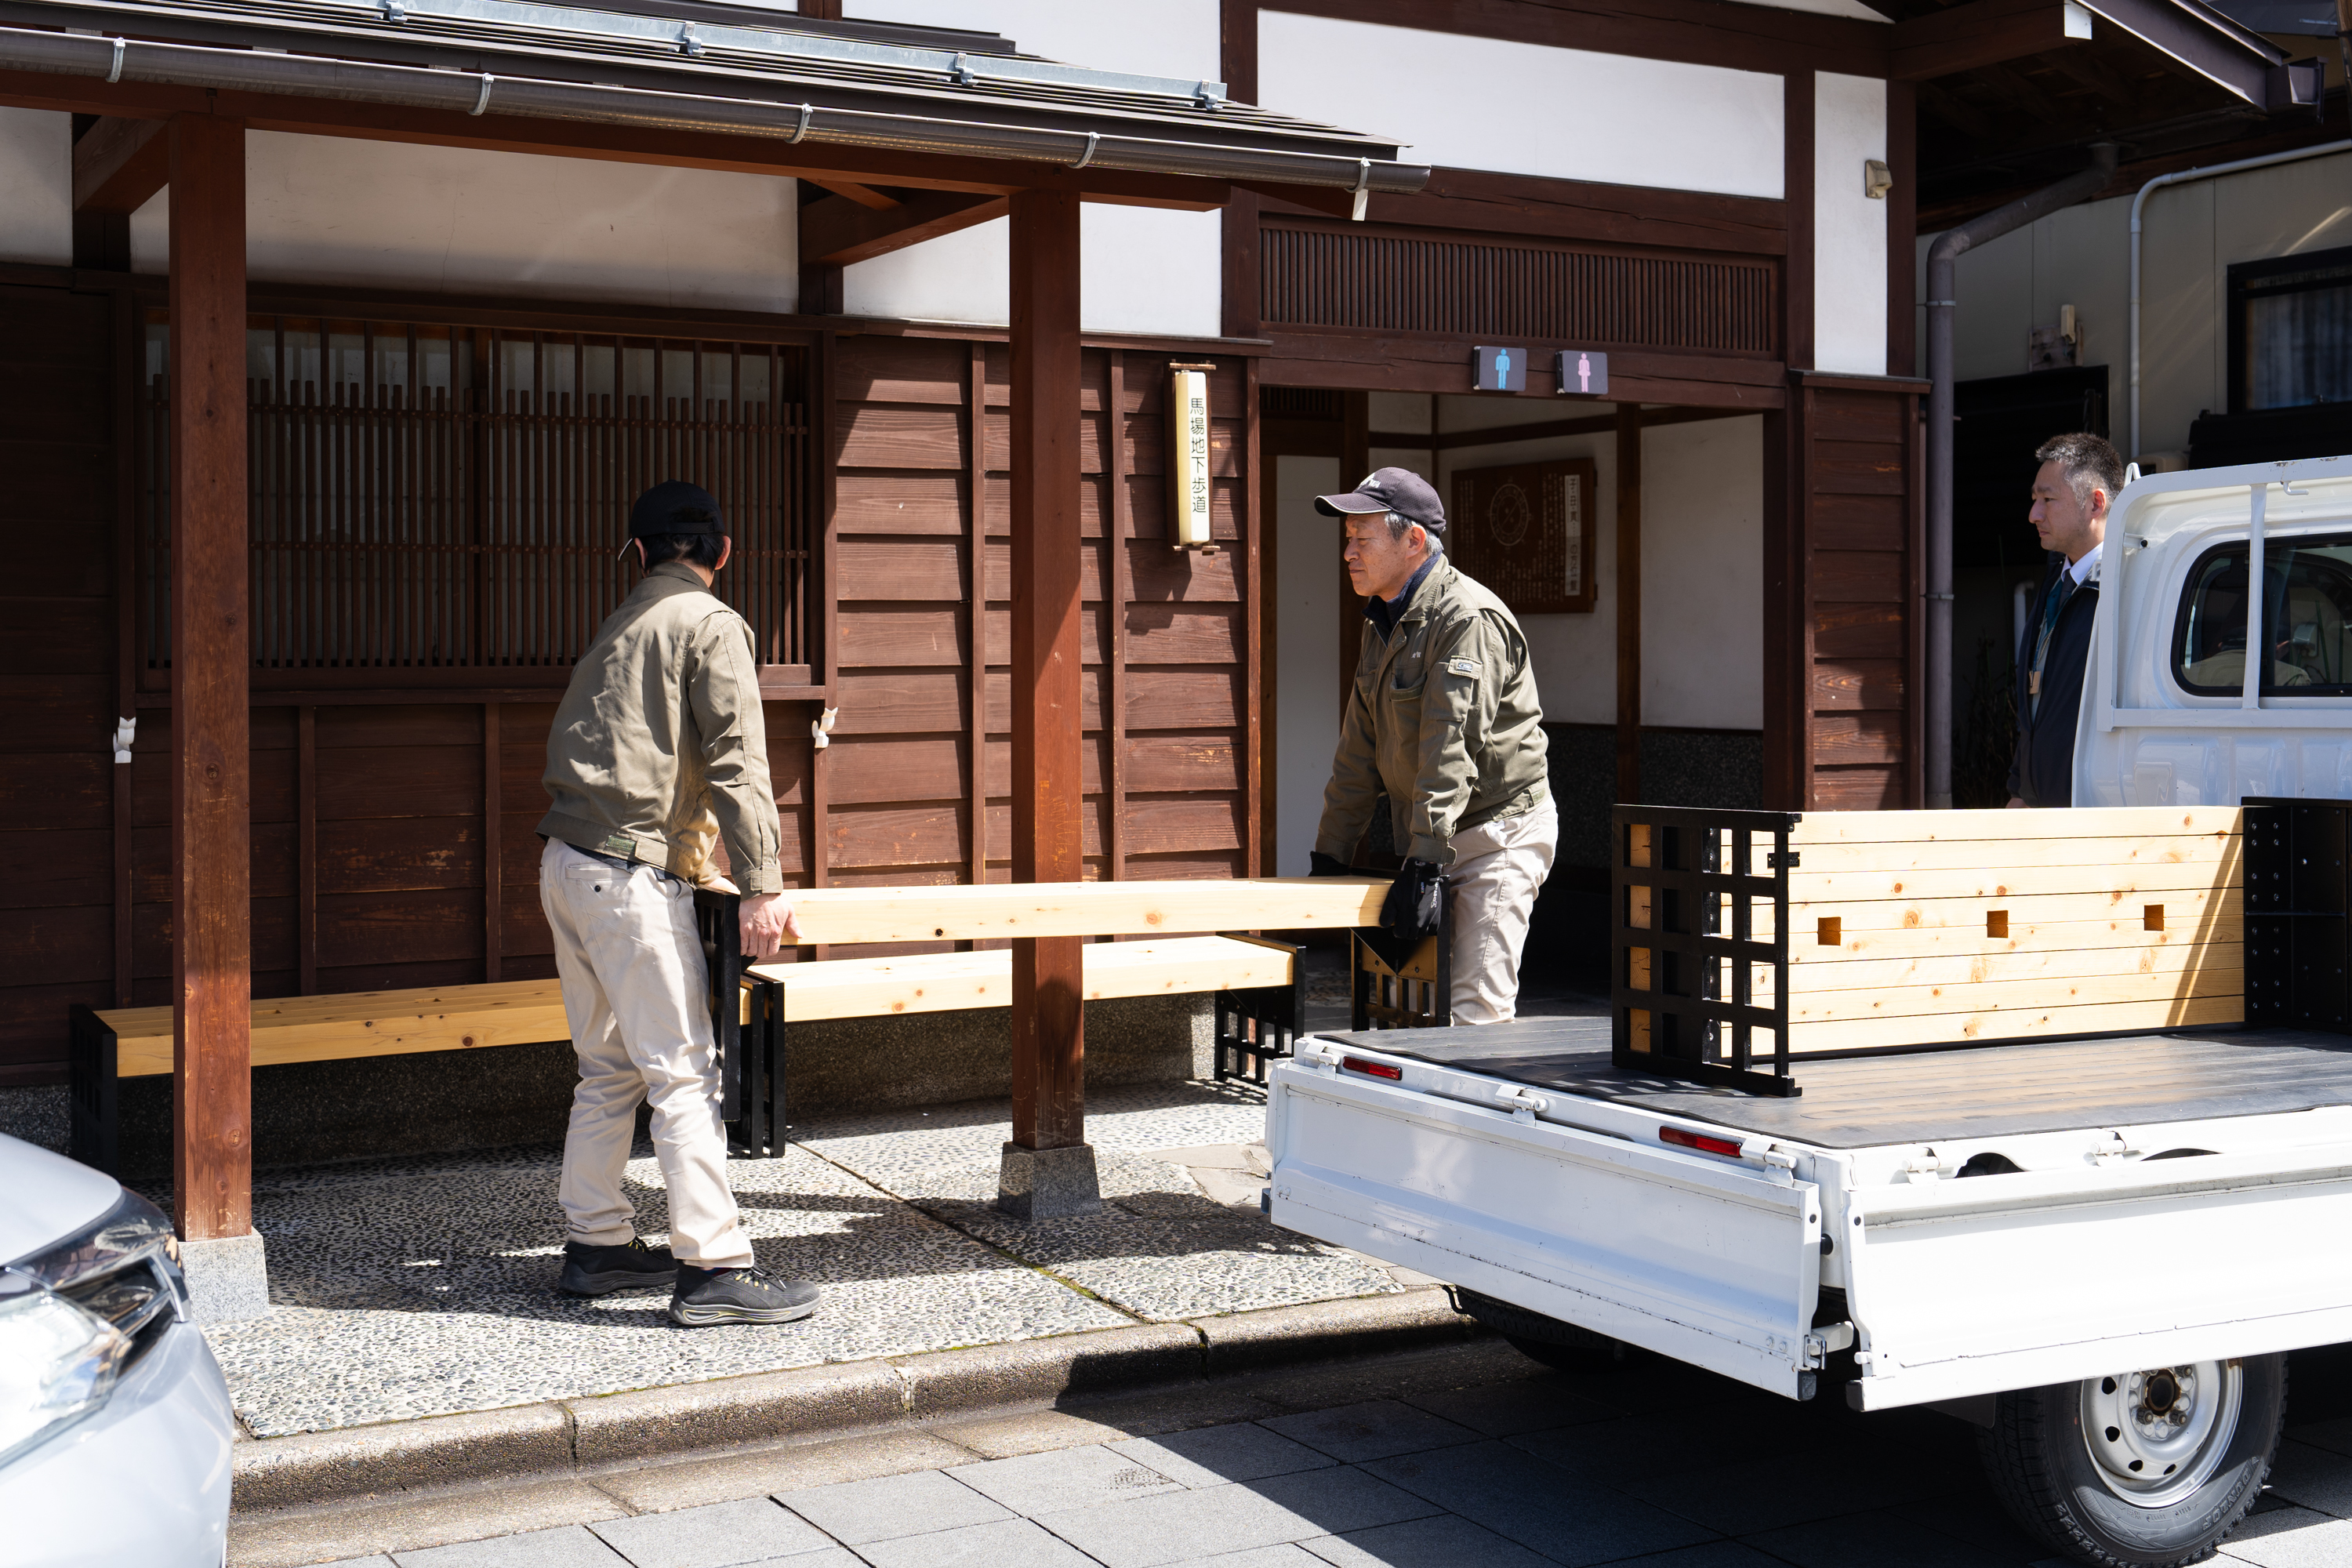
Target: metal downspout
(2182, 177)
(1943, 260)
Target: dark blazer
(2041, 772)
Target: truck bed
(1996, 1090)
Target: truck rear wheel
(2139, 1469)
(1562, 1346)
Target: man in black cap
(659, 750)
(1444, 720)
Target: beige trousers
(633, 988)
(1497, 869)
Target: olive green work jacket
(660, 745)
(1443, 718)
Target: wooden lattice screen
(443, 505)
(1354, 276)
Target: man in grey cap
(659, 750)
(1444, 720)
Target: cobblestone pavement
(1469, 1456)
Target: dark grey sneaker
(738, 1296)
(591, 1270)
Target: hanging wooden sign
(1525, 532)
(1188, 457)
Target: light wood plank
(2009, 997)
(380, 1023)
(2018, 962)
(2190, 907)
(1807, 888)
(1943, 826)
(2023, 1024)
(2123, 931)
(948, 982)
(967, 913)
(1967, 854)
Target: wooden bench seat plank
(948, 982)
(1000, 910)
(362, 1024)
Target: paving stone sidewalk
(1474, 1459)
(410, 1288)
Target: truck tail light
(1381, 1070)
(1698, 1141)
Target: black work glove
(1321, 864)
(1414, 899)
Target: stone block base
(228, 1278)
(1048, 1183)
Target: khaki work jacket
(660, 745)
(1443, 718)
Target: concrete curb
(563, 1437)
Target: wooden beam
(1118, 526)
(1981, 33)
(949, 981)
(975, 692)
(1002, 910)
(1629, 603)
(866, 196)
(606, 141)
(119, 165)
(1048, 785)
(1355, 465)
(836, 233)
(212, 794)
(1481, 201)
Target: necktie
(2052, 608)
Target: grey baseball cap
(1399, 490)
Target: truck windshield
(2306, 620)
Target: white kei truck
(2044, 1119)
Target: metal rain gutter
(116, 59)
(1943, 271)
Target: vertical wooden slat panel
(1115, 528)
(1256, 817)
(494, 896)
(305, 846)
(1628, 590)
(975, 669)
(130, 358)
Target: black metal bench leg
(94, 1093)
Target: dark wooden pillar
(1629, 602)
(211, 968)
(1049, 1025)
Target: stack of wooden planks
(1916, 928)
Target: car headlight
(123, 1269)
(58, 1362)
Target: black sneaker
(590, 1271)
(738, 1296)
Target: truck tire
(1561, 1346)
(2140, 1469)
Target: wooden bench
(1259, 986)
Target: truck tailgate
(1693, 1255)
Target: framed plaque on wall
(1525, 532)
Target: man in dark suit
(2079, 478)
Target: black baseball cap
(1399, 490)
(674, 506)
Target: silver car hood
(46, 1197)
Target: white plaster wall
(2192, 234)
(35, 187)
(1306, 605)
(1141, 269)
(1527, 108)
(1703, 574)
(1849, 228)
(323, 209)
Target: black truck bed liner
(2038, 1085)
